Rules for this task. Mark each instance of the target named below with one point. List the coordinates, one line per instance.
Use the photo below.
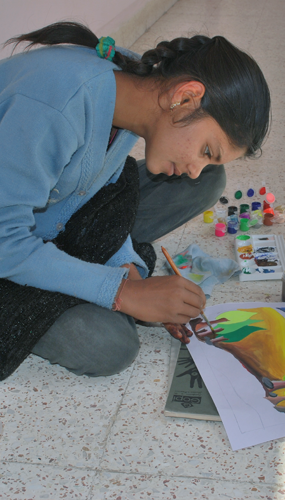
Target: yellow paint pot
(208, 216)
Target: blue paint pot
(250, 192)
(232, 227)
(256, 205)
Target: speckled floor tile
(155, 345)
(40, 482)
(112, 486)
(52, 416)
(143, 440)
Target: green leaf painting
(238, 325)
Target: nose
(195, 170)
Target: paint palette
(260, 257)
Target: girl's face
(187, 150)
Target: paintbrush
(176, 270)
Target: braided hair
(236, 92)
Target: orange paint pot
(268, 211)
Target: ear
(188, 94)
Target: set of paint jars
(231, 219)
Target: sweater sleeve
(37, 143)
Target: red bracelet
(118, 300)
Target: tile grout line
(152, 476)
(113, 420)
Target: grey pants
(91, 340)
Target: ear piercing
(174, 105)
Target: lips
(174, 170)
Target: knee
(91, 340)
(114, 346)
(119, 355)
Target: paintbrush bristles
(208, 322)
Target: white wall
(104, 17)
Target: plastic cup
(242, 239)
(268, 211)
(250, 193)
(232, 227)
(244, 207)
(267, 219)
(232, 210)
(220, 229)
(270, 197)
(256, 205)
(245, 215)
(208, 216)
(244, 225)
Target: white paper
(249, 419)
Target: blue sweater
(56, 112)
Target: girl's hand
(179, 332)
(164, 299)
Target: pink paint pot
(220, 229)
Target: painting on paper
(243, 367)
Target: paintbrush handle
(170, 261)
(176, 270)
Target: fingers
(179, 332)
(163, 299)
(196, 291)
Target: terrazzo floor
(63, 436)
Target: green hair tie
(106, 48)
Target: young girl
(77, 213)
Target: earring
(174, 105)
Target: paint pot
(253, 222)
(220, 229)
(250, 193)
(267, 219)
(232, 227)
(257, 216)
(221, 214)
(208, 216)
(245, 215)
(270, 198)
(238, 194)
(256, 205)
(224, 200)
(243, 239)
(262, 190)
(268, 211)
(265, 205)
(244, 225)
(244, 207)
(232, 210)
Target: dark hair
(236, 96)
